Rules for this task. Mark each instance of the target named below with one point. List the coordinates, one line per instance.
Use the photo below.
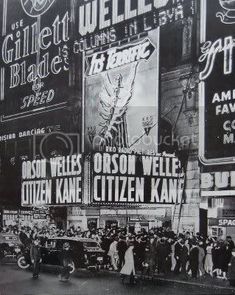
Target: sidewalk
(202, 282)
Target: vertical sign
(217, 75)
(121, 96)
(34, 56)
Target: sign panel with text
(135, 179)
(217, 74)
(34, 56)
(57, 181)
(119, 112)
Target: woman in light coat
(128, 268)
(208, 260)
(113, 253)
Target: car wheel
(72, 267)
(22, 263)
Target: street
(15, 281)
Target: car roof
(9, 237)
(77, 239)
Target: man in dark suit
(121, 248)
(36, 258)
(178, 254)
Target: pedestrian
(161, 250)
(121, 248)
(201, 256)
(231, 270)
(208, 260)
(184, 257)
(152, 254)
(178, 253)
(128, 268)
(66, 262)
(36, 258)
(113, 253)
(193, 259)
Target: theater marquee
(135, 179)
(217, 92)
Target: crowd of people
(158, 251)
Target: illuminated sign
(136, 179)
(101, 22)
(54, 182)
(218, 184)
(34, 57)
(216, 89)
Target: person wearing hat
(36, 258)
(66, 261)
(231, 269)
(121, 248)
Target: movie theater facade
(110, 114)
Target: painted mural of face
(228, 4)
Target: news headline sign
(101, 22)
(135, 179)
(217, 74)
(57, 181)
(34, 56)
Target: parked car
(86, 253)
(10, 245)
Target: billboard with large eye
(121, 96)
(217, 74)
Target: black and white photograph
(117, 147)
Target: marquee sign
(217, 93)
(57, 181)
(135, 179)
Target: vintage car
(86, 253)
(10, 245)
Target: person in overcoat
(36, 257)
(66, 262)
(128, 268)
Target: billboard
(217, 74)
(135, 179)
(34, 57)
(119, 113)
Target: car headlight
(17, 250)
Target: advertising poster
(217, 75)
(34, 56)
(119, 113)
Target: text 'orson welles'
(122, 178)
(57, 181)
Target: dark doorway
(203, 222)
